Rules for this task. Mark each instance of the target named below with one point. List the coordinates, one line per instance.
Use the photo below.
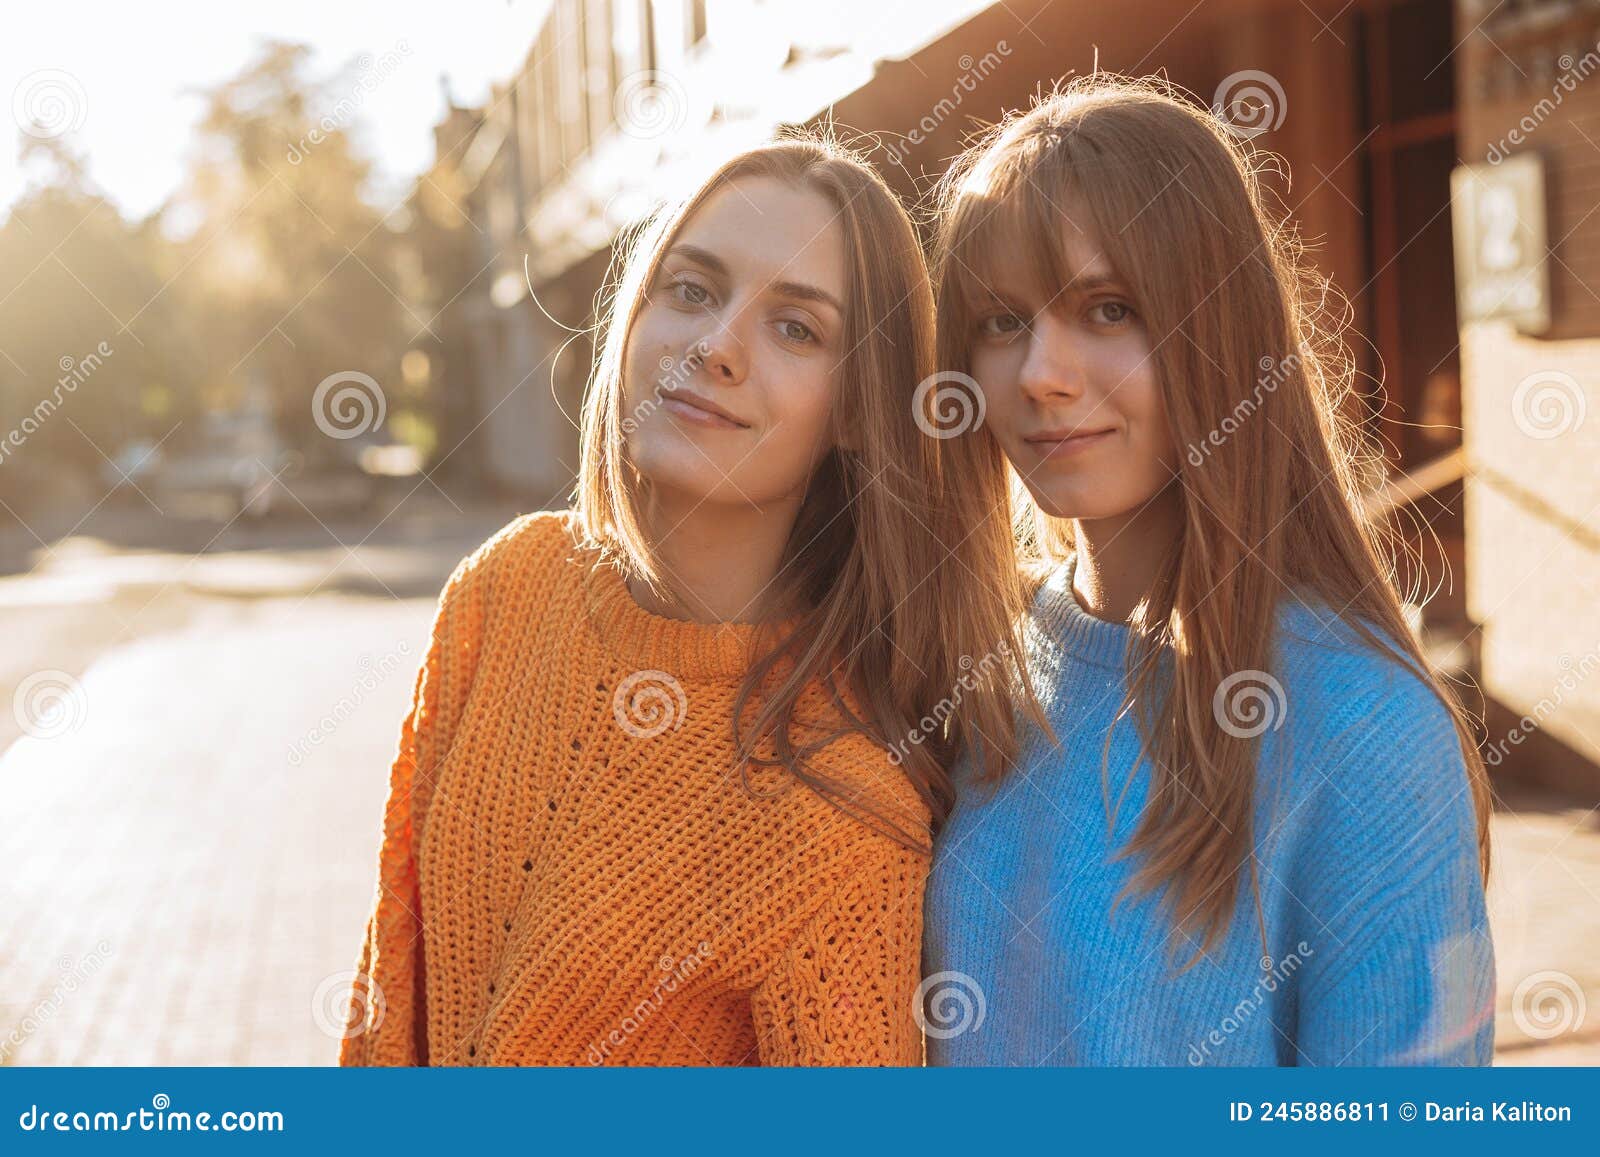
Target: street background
(290, 325)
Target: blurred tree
(265, 274)
(444, 256)
(92, 338)
(297, 271)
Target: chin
(1086, 507)
(678, 468)
(1058, 504)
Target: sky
(124, 75)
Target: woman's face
(1070, 389)
(731, 365)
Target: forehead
(761, 227)
(1028, 242)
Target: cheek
(1149, 417)
(997, 370)
(642, 355)
(1152, 459)
(800, 403)
(796, 407)
(1128, 369)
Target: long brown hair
(1271, 511)
(899, 578)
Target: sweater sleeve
(1399, 965)
(387, 1020)
(844, 991)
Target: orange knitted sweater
(572, 871)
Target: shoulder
(874, 794)
(1352, 680)
(1380, 822)
(525, 549)
(1367, 738)
(870, 769)
(530, 541)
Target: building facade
(1375, 106)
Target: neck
(1120, 558)
(720, 559)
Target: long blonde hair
(899, 577)
(1176, 202)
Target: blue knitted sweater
(1372, 944)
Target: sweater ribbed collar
(1093, 640)
(644, 640)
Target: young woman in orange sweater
(665, 792)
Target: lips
(1055, 443)
(701, 411)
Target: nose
(721, 353)
(1051, 370)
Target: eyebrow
(1085, 281)
(1089, 279)
(797, 290)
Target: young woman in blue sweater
(1258, 834)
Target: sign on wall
(1498, 212)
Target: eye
(796, 331)
(689, 292)
(1000, 325)
(1112, 312)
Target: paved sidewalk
(190, 862)
(191, 836)
(177, 886)
(1544, 907)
